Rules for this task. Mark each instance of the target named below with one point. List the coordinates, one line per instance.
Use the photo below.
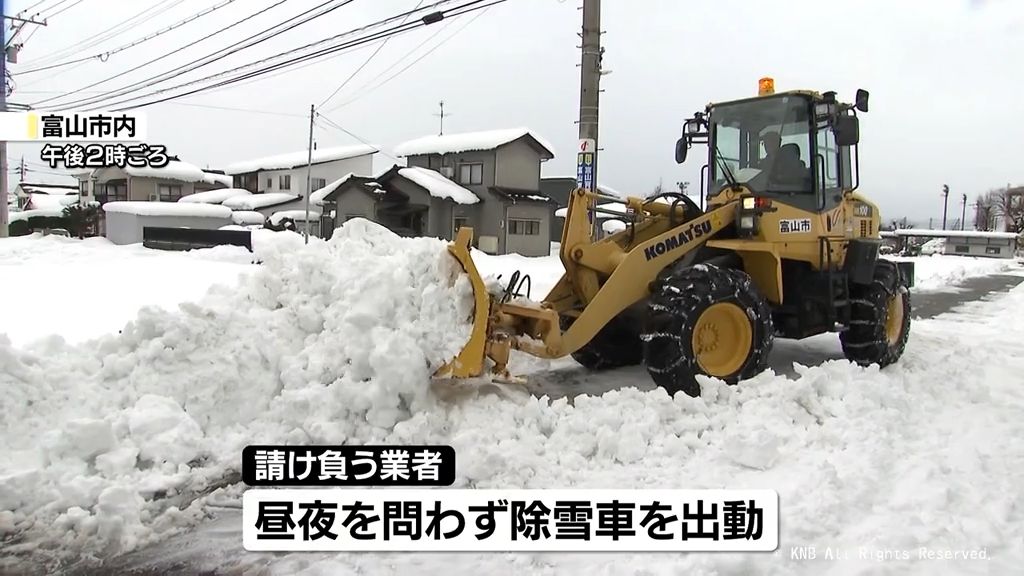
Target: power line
(393, 31)
(421, 57)
(276, 66)
(65, 10)
(107, 34)
(249, 110)
(365, 62)
(103, 56)
(210, 58)
(337, 126)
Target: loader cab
(793, 146)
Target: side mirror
(861, 102)
(681, 147)
(847, 130)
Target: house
(37, 196)
(147, 184)
(286, 173)
(502, 169)
(409, 200)
(957, 242)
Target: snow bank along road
(116, 443)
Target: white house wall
(329, 171)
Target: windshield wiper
(725, 167)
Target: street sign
(585, 164)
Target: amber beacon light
(765, 86)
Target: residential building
(147, 184)
(286, 173)
(409, 200)
(502, 169)
(37, 196)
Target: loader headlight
(749, 203)
(747, 222)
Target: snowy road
(928, 480)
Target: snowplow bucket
(470, 361)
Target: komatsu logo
(681, 239)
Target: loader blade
(470, 361)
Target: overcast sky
(945, 78)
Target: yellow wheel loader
(784, 247)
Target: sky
(945, 79)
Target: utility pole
(590, 88)
(309, 169)
(441, 116)
(945, 204)
(10, 53)
(963, 211)
(22, 170)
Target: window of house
(112, 193)
(992, 250)
(284, 182)
(458, 222)
(521, 227)
(270, 183)
(318, 183)
(168, 193)
(961, 249)
(471, 173)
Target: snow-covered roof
(256, 201)
(468, 141)
(318, 195)
(51, 211)
(214, 196)
(167, 209)
(954, 233)
(54, 189)
(51, 200)
(175, 170)
(300, 158)
(298, 215)
(214, 178)
(438, 186)
(247, 217)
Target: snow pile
(214, 196)
(175, 170)
(168, 209)
(438, 186)
(943, 271)
(298, 215)
(247, 218)
(101, 443)
(468, 141)
(257, 201)
(129, 277)
(301, 158)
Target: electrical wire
(365, 62)
(362, 140)
(210, 58)
(65, 10)
(421, 57)
(102, 36)
(273, 67)
(107, 54)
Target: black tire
(616, 345)
(868, 339)
(680, 296)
